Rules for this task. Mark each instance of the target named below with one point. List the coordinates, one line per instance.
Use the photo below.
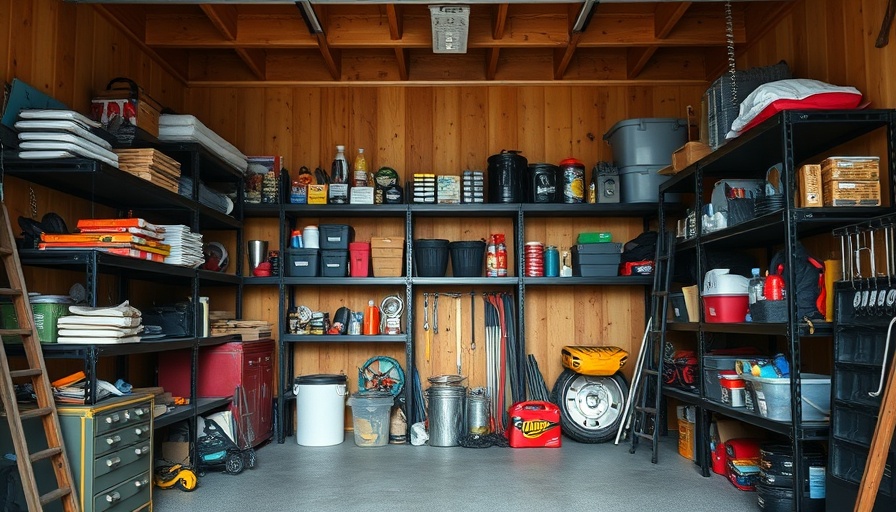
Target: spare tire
(591, 407)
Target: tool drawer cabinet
(109, 446)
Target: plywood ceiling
(640, 42)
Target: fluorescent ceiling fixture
(309, 16)
(450, 28)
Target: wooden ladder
(36, 373)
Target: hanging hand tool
(427, 335)
(457, 327)
(472, 321)
(435, 315)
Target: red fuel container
(534, 424)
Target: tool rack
(790, 138)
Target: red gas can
(534, 424)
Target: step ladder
(648, 394)
(36, 374)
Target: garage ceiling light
(450, 28)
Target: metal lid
(50, 299)
(320, 379)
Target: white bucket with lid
(320, 409)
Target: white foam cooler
(320, 409)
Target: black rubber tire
(251, 458)
(234, 463)
(590, 407)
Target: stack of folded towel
(101, 325)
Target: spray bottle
(371, 319)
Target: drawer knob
(113, 440)
(141, 483)
(139, 431)
(141, 450)
(140, 411)
(113, 497)
(113, 419)
(114, 461)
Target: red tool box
(534, 424)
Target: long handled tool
(457, 326)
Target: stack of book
(72, 389)
(133, 238)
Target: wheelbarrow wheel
(590, 406)
(251, 458)
(234, 463)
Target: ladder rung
(660, 293)
(5, 250)
(45, 454)
(644, 435)
(54, 495)
(30, 372)
(648, 410)
(10, 291)
(19, 332)
(648, 371)
(664, 257)
(36, 413)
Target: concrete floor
(596, 478)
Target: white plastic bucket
(320, 409)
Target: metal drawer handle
(141, 483)
(113, 419)
(113, 440)
(114, 461)
(139, 431)
(113, 497)
(883, 364)
(142, 450)
(140, 411)
(251, 363)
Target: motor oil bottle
(339, 178)
(360, 178)
(371, 319)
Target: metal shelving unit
(789, 138)
(289, 214)
(105, 185)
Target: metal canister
(573, 172)
(551, 261)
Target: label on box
(338, 193)
(810, 189)
(317, 194)
(448, 189)
(851, 193)
(361, 195)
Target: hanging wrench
(472, 321)
(427, 335)
(435, 315)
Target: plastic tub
(771, 396)
(467, 258)
(431, 257)
(302, 262)
(320, 409)
(641, 184)
(336, 236)
(370, 417)
(333, 263)
(712, 365)
(726, 308)
(732, 390)
(47, 309)
(646, 141)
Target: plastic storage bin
(646, 141)
(712, 365)
(596, 260)
(431, 257)
(641, 184)
(336, 236)
(370, 417)
(320, 409)
(679, 308)
(303, 262)
(333, 263)
(467, 258)
(771, 396)
(359, 257)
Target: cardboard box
(176, 451)
(688, 154)
(691, 303)
(809, 189)
(687, 422)
(317, 194)
(851, 168)
(448, 189)
(361, 195)
(851, 193)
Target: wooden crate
(387, 255)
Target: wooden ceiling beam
(637, 59)
(393, 14)
(331, 57)
(563, 56)
(401, 58)
(223, 17)
(255, 59)
(491, 66)
(500, 21)
(667, 17)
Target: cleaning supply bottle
(371, 319)
(360, 177)
(774, 287)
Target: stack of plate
(47, 134)
(768, 204)
(186, 246)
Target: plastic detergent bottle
(371, 319)
(359, 176)
(756, 287)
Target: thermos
(573, 172)
(551, 261)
